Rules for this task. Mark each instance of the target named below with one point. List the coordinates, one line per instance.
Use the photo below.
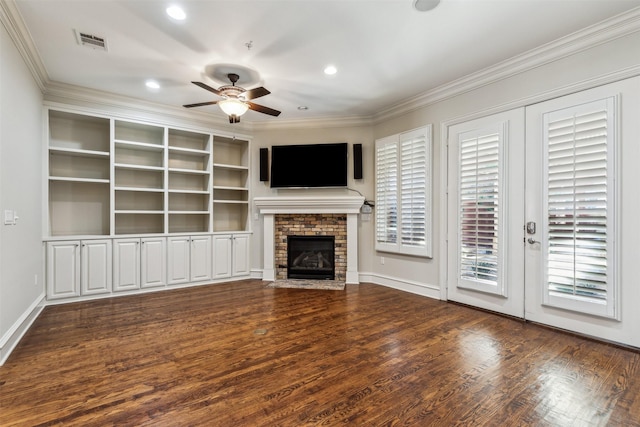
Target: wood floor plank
(240, 354)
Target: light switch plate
(9, 217)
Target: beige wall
(21, 260)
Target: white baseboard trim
(10, 340)
(423, 289)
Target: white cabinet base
(231, 255)
(95, 268)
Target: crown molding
(314, 123)
(603, 32)
(14, 24)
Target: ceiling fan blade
(201, 104)
(263, 109)
(255, 93)
(207, 87)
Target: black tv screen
(313, 165)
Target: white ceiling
(385, 50)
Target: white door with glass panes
(550, 234)
(583, 179)
(486, 213)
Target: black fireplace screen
(311, 257)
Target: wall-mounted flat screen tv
(306, 166)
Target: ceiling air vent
(90, 40)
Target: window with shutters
(403, 193)
(580, 208)
(481, 202)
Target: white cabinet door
(200, 258)
(153, 262)
(63, 269)
(240, 246)
(178, 259)
(126, 264)
(96, 266)
(222, 256)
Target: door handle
(532, 241)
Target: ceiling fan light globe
(233, 107)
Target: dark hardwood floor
(238, 354)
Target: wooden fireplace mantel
(348, 205)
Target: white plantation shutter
(403, 193)
(480, 204)
(579, 144)
(386, 191)
(413, 189)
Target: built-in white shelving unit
(148, 192)
(117, 177)
(189, 197)
(139, 170)
(79, 178)
(230, 184)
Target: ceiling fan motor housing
(231, 91)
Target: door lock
(531, 227)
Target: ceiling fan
(236, 99)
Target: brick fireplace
(287, 225)
(322, 216)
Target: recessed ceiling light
(330, 70)
(176, 13)
(152, 84)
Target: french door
(543, 212)
(486, 213)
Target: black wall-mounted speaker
(264, 164)
(357, 161)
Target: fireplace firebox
(311, 257)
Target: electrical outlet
(382, 260)
(35, 279)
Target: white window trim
(398, 247)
